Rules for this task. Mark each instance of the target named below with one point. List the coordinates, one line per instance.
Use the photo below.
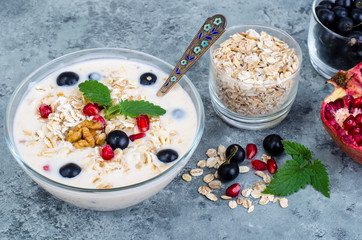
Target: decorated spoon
(210, 31)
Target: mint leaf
(96, 92)
(297, 149)
(113, 111)
(320, 180)
(289, 179)
(136, 108)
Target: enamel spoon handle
(210, 31)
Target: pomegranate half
(341, 112)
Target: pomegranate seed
(330, 108)
(347, 100)
(333, 105)
(136, 136)
(258, 165)
(272, 166)
(351, 109)
(233, 190)
(358, 138)
(328, 115)
(251, 150)
(45, 110)
(90, 110)
(107, 152)
(359, 119)
(101, 120)
(99, 106)
(338, 103)
(354, 130)
(143, 123)
(357, 102)
(349, 123)
(46, 167)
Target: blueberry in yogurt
(148, 78)
(95, 76)
(117, 139)
(178, 113)
(67, 79)
(70, 170)
(167, 155)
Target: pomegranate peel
(340, 109)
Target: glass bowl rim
(321, 24)
(180, 162)
(297, 50)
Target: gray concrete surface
(32, 32)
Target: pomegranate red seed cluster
(236, 193)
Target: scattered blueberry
(327, 17)
(344, 25)
(117, 139)
(239, 154)
(340, 11)
(148, 78)
(167, 155)
(273, 144)
(228, 172)
(326, 4)
(67, 79)
(95, 76)
(70, 170)
(178, 113)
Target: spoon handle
(210, 31)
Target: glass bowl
(330, 52)
(251, 105)
(102, 199)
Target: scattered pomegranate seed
(347, 100)
(143, 123)
(46, 167)
(272, 165)
(354, 130)
(251, 150)
(45, 110)
(359, 119)
(258, 165)
(90, 110)
(107, 152)
(233, 190)
(358, 138)
(357, 102)
(136, 136)
(101, 120)
(349, 123)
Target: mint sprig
(298, 172)
(100, 94)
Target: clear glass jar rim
(18, 158)
(297, 50)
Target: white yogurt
(42, 144)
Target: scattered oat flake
(208, 178)
(201, 163)
(255, 194)
(239, 200)
(211, 153)
(259, 174)
(259, 186)
(246, 203)
(215, 184)
(216, 174)
(225, 197)
(275, 200)
(263, 200)
(211, 162)
(251, 209)
(211, 197)
(246, 192)
(244, 169)
(186, 177)
(221, 150)
(203, 190)
(283, 202)
(266, 178)
(233, 204)
(265, 157)
(196, 172)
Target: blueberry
(344, 3)
(67, 79)
(95, 76)
(70, 170)
(178, 113)
(326, 4)
(358, 4)
(239, 155)
(327, 17)
(167, 155)
(318, 8)
(340, 11)
(273, 144)
(344, 25)
(356, 15)
(148, 78)
(117, 139)
(228, 172)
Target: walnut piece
(85, 134)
